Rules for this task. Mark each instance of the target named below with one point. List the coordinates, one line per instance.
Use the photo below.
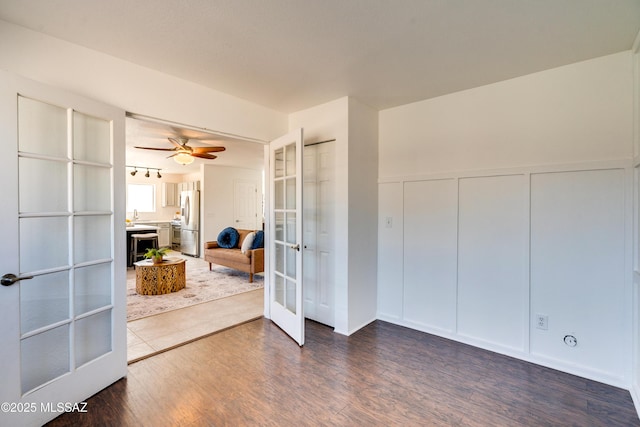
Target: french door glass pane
(279, 226)
(92, 188)
(291, 262)
(44, 243)
(279, 162)
(42, 128)
(291, 228)
(279, 194)
(92, 287)
(91, 139)
(44, 300)
(43, 186)
(291, 159)
(291, 193)
(44, 357)
(279, 255)
(279, 290)
(92, 238)
(93, 337)
(291, 296)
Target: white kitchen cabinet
(169, 194)
(164, 233)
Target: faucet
(135, 214)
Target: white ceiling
(293, 54)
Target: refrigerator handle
(187, 210)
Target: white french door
(62, 303)
(284, 237)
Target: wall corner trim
(635, 396)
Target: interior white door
(318, 252)
(285, 234)
(244, 204)
(63, 335)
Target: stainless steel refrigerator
(190, 222)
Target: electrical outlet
(570, 340)
(542, 321)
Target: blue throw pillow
(228, 238)
(258, 240)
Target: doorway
(318, 229)
(199, 308)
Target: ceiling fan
(185, 154)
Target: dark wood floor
(382, 375)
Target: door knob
(10, 279)
(296, 247)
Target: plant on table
(156, 254)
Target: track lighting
(148, 174)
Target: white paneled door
(62, 303)
(284, 237)
(318, 253)
(245, 212)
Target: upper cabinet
(169, 194)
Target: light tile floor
(162, 332)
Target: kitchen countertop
(139, 227)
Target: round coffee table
(158, 279)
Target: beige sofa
(251, 262)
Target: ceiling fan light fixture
(183, 158)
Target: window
(141, 197)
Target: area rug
(202, 285)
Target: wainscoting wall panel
(477, 256)
(430, 235)
(492, 282)
(390, 251)
(577, 268)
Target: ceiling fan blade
(204, 156)
(173, 155)
(159, 149)
(176, 142)
(201, 150)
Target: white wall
(363, 204)
(391, 254)
(457, 177)
(217, 197)
(131, 87)
(635, 391)
(576, 113)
